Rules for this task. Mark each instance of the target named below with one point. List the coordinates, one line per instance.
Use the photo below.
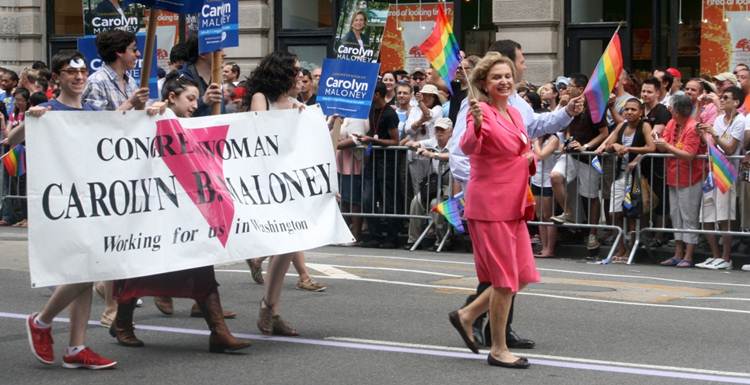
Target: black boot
(221, 339)
(122, 327)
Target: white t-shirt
(735, 129)
(544, 166)
(414, 115)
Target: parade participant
(111, 88)
(269, 86)
(536, 126)
(180, 95)
(70, 71)
(501, 159)
(198, 69)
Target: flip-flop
(671, 262)
(685, 264)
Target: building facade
(558, 36)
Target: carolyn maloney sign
(346, 88)
(134, 196)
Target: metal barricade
(389, 183)
(656, 174)
(572, 172)
(12, 197)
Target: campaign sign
(176, 6)
(346, 87)
(218, 26)
(87, 46)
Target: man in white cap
(435, 150)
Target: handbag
(632, 202)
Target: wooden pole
(217, 61)
(148, 56)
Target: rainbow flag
(15, 161)
(441, 48)
(724, 173)
(603, 80)
(452, 209)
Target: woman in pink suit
(497, 204)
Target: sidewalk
(14, 253)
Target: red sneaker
(86, 358)
(40, 341)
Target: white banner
(115, 195)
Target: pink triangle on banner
(200, 171)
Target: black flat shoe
(456, 322)
(514, 341)
(521, 363)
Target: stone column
(22, 31)
(255, 27)
(538, 26)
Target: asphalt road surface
(384, 320)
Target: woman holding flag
(501, 162)
(720, 207)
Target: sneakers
(746, 267)
(592, 243)
(706, 263)
(310, 285)
(87, 359)
(40, 341)
(562, 218)
(720, 264)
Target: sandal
(671, 262)
(265, 318)
(4, 223)
(621, 259)
(685, 263)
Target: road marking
(548, 357)
(525, 293)
(645, 277)
(331, 271)
(450, 352)
(721, 298)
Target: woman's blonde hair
(482, 69)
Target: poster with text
(407, 28)
(140, 195)
(360, 30)
(105, 15)
(346, 87)
(724, 36)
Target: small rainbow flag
(441, 47)
(603, 79)
(724, 173)
(452, 209)
(15, 161)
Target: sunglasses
(418, 78)
(725, 97)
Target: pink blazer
(499, 178)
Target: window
(307, 14)
(68, 17)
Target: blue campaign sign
(346, 87)
(176, 6)
(87, 46)
(218, 26)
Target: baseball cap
(562, 80)
(674, 72)
(724, 76)
(445, 123)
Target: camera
(566, 144)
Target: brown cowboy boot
(122, 328)
(164, 304)
(196, 312)
(221, 339)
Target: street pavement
(384, 320)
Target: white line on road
(549, 357)
(437, 351)
(527, 293)
(331, 271)
(644, 277)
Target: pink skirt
(502, 253)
